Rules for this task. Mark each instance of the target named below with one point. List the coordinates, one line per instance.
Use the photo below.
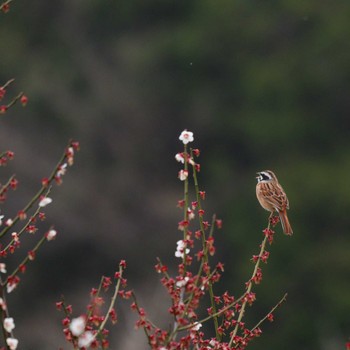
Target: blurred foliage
(261, 84)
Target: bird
(272, 197)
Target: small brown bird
(272, 197)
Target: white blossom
(71, 151)
(183, 175)
(12, 343)
(180, 158)
(9, 324)
(86, 339)
(3, 268)
(2, 304)
(191, 214)
(186, 137)
(10, 287)
(182, 283)
(51, 234)
(45, 201)
(181, 248)
(62, 170)
(77, 326)
(197, 326)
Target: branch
(250, 284)
(284, 298)
(111, 305)
(39, 193)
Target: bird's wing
(274, 194)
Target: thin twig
(249, 288)
(95, 296)
(205, 247)
(38, 194)
(27, 258)
(5, 187)
(11, 80)
(111, 305)
(219, 313)
(138, 311)
(36, 213)
(284, 298)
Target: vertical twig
(249, 288)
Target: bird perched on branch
(272, 197)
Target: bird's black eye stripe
(264, 176)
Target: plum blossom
(9, 324)
(51, 234)
(45, 201)
(70, 155)
(183, 175)
(86, 339)
(186, 137)
(77, 326)
(3, 268)
(62, 170)
(197, 326)
(180, 158)
(2, 304)
(191, 214)
(181, 249)
(12, 343)
(182, 283)
(10, 287)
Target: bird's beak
(257, 176)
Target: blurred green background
(262, 84)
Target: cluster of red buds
(12, 182)
(192, 290)
(22, 226)
(23, 99)
(89, 329)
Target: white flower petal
(2, 304)
(197, 326)
(9, 324)
(77, 326)
(183, 175)
(12, 343)
(180, 158)
(51, 235)
(3, 268)
(86, 339)
(10, 287)
(186, 137)
(45, 201)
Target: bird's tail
(287, 229)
